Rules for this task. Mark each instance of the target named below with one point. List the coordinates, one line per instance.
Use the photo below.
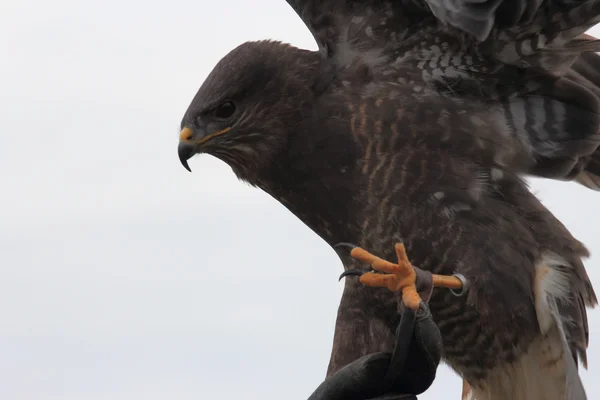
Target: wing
(536, 71)
(477, 18)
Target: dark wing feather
(478, 18)
(535, 72)
(587, 71)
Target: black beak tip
(185, 152)
(185, 164)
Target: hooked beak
(186, 148)
(185, 152)
(189, 146)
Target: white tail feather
(547, 370)
(589, 180)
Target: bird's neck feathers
(317, 179)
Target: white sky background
(122, 276)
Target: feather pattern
(406, 125)
(547, 369)
(528, 71)
(533, 71)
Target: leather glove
(401, 375)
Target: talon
(352, 272)
(345, 244)
(396, 277)
(400, 276)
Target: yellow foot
(396, 277)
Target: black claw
(352, 272)
(345, 245)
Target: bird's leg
(402, 276)
(396, 277)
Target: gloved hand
(401, 375)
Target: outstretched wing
(477, 18)
(536, 70)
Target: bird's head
(248, 105)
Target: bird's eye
(225, 110)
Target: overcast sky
(123, 276)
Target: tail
(548, 369)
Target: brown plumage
(402, 126)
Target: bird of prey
(418, 121)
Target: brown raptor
(416, 122)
